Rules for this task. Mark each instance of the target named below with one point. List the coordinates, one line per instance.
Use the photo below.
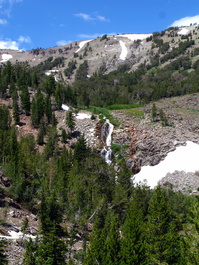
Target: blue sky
(29, 24)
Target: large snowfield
(184, 158)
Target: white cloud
(9, 44)
(3, 21)
(185, 21)
(84, 16)
(89, 36)
(25, 39)
(63, 42)
(101, 18)
(88, 17)
(12, 44)
(6, 6)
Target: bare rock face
(181, 181)
(150, 142)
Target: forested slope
(62, 179)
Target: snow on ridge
(6, 57)
(124, 51)
(135, 36)
(183, 31)
(81, 44)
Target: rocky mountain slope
(107, 53)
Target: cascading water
(106, 133)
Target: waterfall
(106, 134)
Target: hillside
(109, 52)
(56, 106)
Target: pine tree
(70, 120)
(30, 253)
(40, 135)
(52, 248)
(63, 136)
(3, 259)
(25, 98)
(58, 96)
(81, 151)
(16, 112)
(133, 245)
(163, 237)
(154, 112)
(5, 118)
(96, 252)
(48, 109)
(112, 243)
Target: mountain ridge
(107, 52)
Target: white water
(184, 158)
(107, 131)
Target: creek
(106, 134)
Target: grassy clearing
(122, 106)
(103, 114)
(136, 113)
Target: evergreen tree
(81, 151)
(51, 145)
(112, 243)
(63, 135)
(96, 252)
(5, 118)
(52, 250)
(3, 259)
(40, 135)
(16, 112)
(70, 120)
(30, 253)
(133, 245)
(25, 98)
(161, 230)
(58, 96)
(154, 112)
(191, 237)
(48, 109)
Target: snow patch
(17, 235)
(184, 158)
(82, 116)
(51, 71)
(124, 50)
(183, 31)
(6, 57)
(81, 44)
(65, 107)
